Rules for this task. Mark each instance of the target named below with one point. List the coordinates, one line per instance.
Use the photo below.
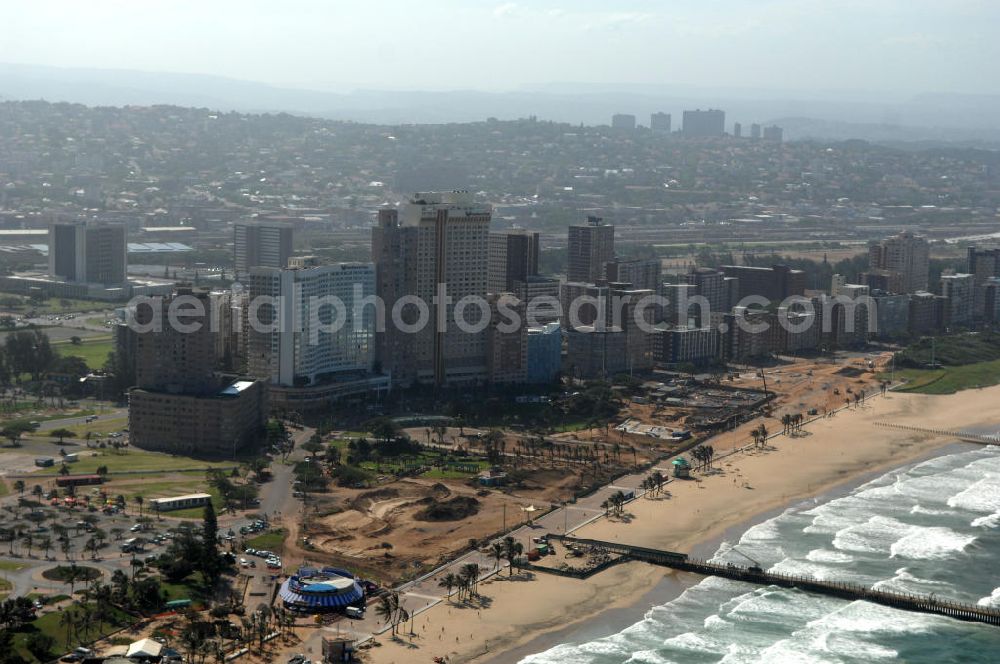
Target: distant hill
(831, 115)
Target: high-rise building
(91, 252)
(313, 328)
(905, 260)
(960, 291)
(659, 123)
(437, 241)
(984, 264)
(773, 133)
(711, 285)
(928, 313)
(773, 283)
(704, 124)
(591, 246)
(260, 244)
(179, 404)
(544, 352)
(639, 273)
(541, 297)
(506, 342)
(623, 121)
(755, 132)
(737, 130)
(513, 258)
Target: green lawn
(5, 587)
(948, 380)
(132, 460)
(57, 305)
(49, 624)
(272, 541)
(99, 428)
(93, 350)
(11, 566)
(190, 588)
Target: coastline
(613, 620)
(835, 455)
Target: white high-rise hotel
(305, 343)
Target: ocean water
(933, 528)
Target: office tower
(178, 404)
(737, 130)
(904, 260)
(171, 360)
(623, 121)
(506, 343)
(704, 124)
(436, 241)
(711, 285)
(984, 264)
(541, 297)
(773, 133)
(755, 131)
(90, 252)
(321, 332)
(513, 258)
(596, 353)
(685, 344)
(928, 313)
(892, 315)
(544, 353)
(960, 291)
(260, 244)
(773, 283)
(640, 273)
(590, 247)
(659, 123)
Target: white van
(354, 612)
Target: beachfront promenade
(756, 575)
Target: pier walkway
(756, 575)
(967, 436)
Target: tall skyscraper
(92, 252)
(755, 131)
(436, 241)
(623, 121)
(737, 130)
(590, 247)
(513, 258)
(659, 123)
(984, 264)
(260, 244)
(704, 124)
(773, 133)
(905, 260)
(711, 285)
(311, 341)
(639, 273)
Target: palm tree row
(466, 581)
(759, 436)
(791, 422)
(653, 484)
(391, 610)
(704, 454)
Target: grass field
(10, 566)
(99, 428)
(198, 512)
(5, 587)
(272, 541)
(49, 624)
(134, 460)
(948, 380)
(93, 350)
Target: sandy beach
(829, 452)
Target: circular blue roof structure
(316, 590)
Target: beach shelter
(145, 649)
(681, 467)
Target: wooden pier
(756, 575)
(966, 436)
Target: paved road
(66, 422)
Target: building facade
(704, 124)
(513, 258)
(88, 252)
(590, 247)
(904, 260)
(437, 241)
(260, 244)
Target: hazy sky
(883, 45)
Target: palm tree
(448, 582)
(512, 549)
(470, 572)
(138, 501)
(496, 549)
(19, 486)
